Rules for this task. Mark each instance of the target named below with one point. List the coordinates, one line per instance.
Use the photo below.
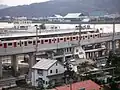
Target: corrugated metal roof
(44, 64)
(73, 15)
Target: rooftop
(73, 15)
(84, 85)
(44, 64)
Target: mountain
(62, 7)
(3, 6)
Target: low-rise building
(47, 71)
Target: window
(56, 70)
(9, 44)
(0, 45)
(29, 42)
(38, 41)
(46, 40)
(76, 50)
(70, 49)
(61, 38)
(40, 72)
(73, 37)
(46, 82)
(50, 71)
(67, 38)
(56, 64)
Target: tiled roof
(88, 85)
(44, 64)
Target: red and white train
(46, 41)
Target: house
(47, 71)
(84, 85)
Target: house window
(56, 70)
(76, 50)
(46, 82)
(50, 71)
(40, 72)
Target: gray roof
(44, 64)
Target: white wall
(35, 76)
(60, 68)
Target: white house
(48, 71)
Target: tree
(114, 61)
(69, 73)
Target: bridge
(13, 52)
(52, 46)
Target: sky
(20, 2)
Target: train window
(9, 44)
(38, 41)
(0, 45)
(29, 42)
(61, 38)
(25, 43)
(33, 42)
(18, 43)
(67, 38)
(90, 35)
(85, 36)
(73, 37)
(42, 42)
(95, 35)
(46, 40)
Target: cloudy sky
(19, 2)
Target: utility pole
(113, 38)
(79, 34)
(36, 41)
